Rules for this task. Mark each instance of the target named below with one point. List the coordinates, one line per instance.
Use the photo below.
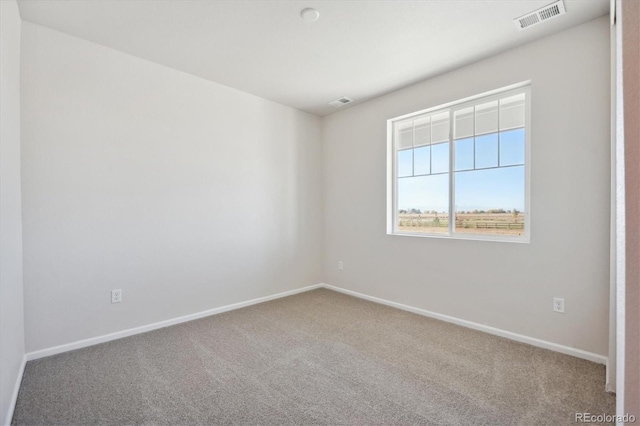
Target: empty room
(267, 212)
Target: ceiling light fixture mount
(310, 14)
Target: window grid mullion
(413, 148)
(499, 136)
(474, 137)
(430, 144)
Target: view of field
(499, 222)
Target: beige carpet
(319, 357)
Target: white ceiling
(358, 49)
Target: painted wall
(186, 194)
(11, 301)
(505, 285)
(631, 81)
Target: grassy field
(468, 223)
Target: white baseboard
(162, 324)
(608, 386)
(16, 389)
(578, 353)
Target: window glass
(467, 162)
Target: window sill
(487, 238)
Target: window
(461, 170)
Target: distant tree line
(515, 212)
(418, 211)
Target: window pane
(421, 161)
(464, 154)
(423, 203)
(487, 118)
(405, 135)
(463, 123)
(490, 201)
(405, 163)
(487, 151)
(422, 132)
(440, 158)
(405, 139)
(512, 147)
(440, 127)
(512, 112)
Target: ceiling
(358, 49)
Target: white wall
(11, 301)
(504, 285)
(185, 194)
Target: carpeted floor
(319, 357)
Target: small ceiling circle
(310, 14)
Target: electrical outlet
(558, 305)
(116, 296)
(341, 265)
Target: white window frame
(392, 179)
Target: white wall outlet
(341, 265)
(558, 305)
(116, 296)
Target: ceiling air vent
(339, 102)
(540, 15)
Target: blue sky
(493, 188)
